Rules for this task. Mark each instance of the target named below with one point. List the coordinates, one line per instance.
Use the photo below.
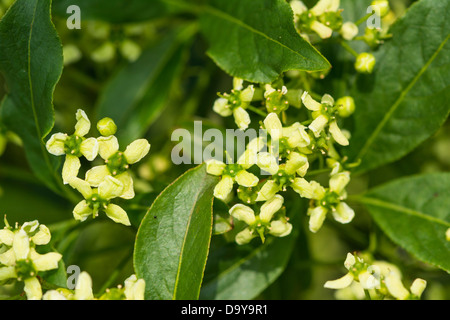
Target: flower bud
(346, 106)
(106, 127)
(365, 62)
(382, 7)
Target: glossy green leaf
(115, 11)
(31, 63)
(135, 96)
(173, 240)
(243, 272)
(256, 40)
(406, 99)
(414, 213)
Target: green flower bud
(382, 6)
(365, 62)
(346, 106)
(106, 127)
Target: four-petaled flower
(236, 172)
(324, 114)
(74, 146)
(235, 103)
(98, 199)
(21, 261)
(117, 163)
(261, 224)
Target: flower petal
(55, 145)
(42, 237)
(33, 289)
(107, 146)
(223, 188)
(136, 150)
(337, 134)
(245, 236)
(128, 188)
(89, 148)
(339, 181)
(340, 283)
(241, 117)
(343, 213)
(96, 175)
(82, 186)
(222, 107)
(310, 103)
(246, 179)
(7, 273)
(395, 287)
(83, 124)
(82, 211)
(6, 237)
(21, 245)
(83, 289)
(270, 207)
(267, 162)
(71, 167)
(317, 217)
(273, 126)
(243, 213)
(117, 214)
(318, 125)
(110, 188)
(268, 191)
(303, 188)
(215, 167)
(45, 262)
(280, 228)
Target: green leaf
(31, 62)
(135, 96)
(406, 99)
(243, 272)
(414, 213)
(256, 40)
(173, 240)
(115, 11)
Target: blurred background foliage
(152, 77)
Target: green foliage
(31, 62)
(258, 31)
(413, 211)
(173, 240)
(388, 169)
(405, 101)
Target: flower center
(117, 163)
(276, 102)
(72, 145)
(232, 170)
(25, 269)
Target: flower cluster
(379, 279)
(19, 259)
(325, 18)
(133, 289)
(283, 157)
(102, 183)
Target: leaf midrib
(401, 209)
(32, 97)
(184, 240)
(400, 99)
